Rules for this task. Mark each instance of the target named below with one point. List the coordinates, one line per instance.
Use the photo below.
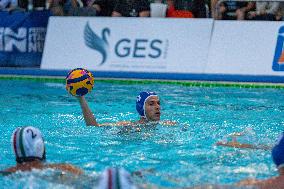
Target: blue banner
(22, 36)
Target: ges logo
(278, 60)
(123, 48)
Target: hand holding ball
(79, 82)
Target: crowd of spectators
(253, 10)
(217, 9)
(22, 5)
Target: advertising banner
(22, 36)
(189, 49)
(127, 44)
(247, 48)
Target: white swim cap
(28, 144)
(115, 178)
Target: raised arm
(236, 144)
(87, 113)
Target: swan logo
(278, 60)
(100, 44)
(129, 49)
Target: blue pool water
(169, 156)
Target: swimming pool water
(169, 156)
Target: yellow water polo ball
(79, 82)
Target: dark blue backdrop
(22, 36)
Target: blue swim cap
(278, 152)
(140, 101)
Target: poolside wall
(158, 48)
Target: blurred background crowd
(217, 9)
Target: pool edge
(190, 83)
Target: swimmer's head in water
(28, 144)
(141, 101)
(278, 152)
(115, 178)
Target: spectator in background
(267, 11)
(213, 7)
(242, 12)
(8, 4)
(24, 5)
(71, 8)
(103, 7)
(79, 8)
(199, 8)
(231, 10)
(172, 12)
(132, 8)
(39, 4)
(280, 13)
(56, 7)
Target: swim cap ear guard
(141, 100)
(278, 152)
(28, 144)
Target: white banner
(246, 48)
(127, 44)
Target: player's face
(152, 108)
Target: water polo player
(147, 105)
(276, 182)
(115, 178)
(29, 149)
(243, 140)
